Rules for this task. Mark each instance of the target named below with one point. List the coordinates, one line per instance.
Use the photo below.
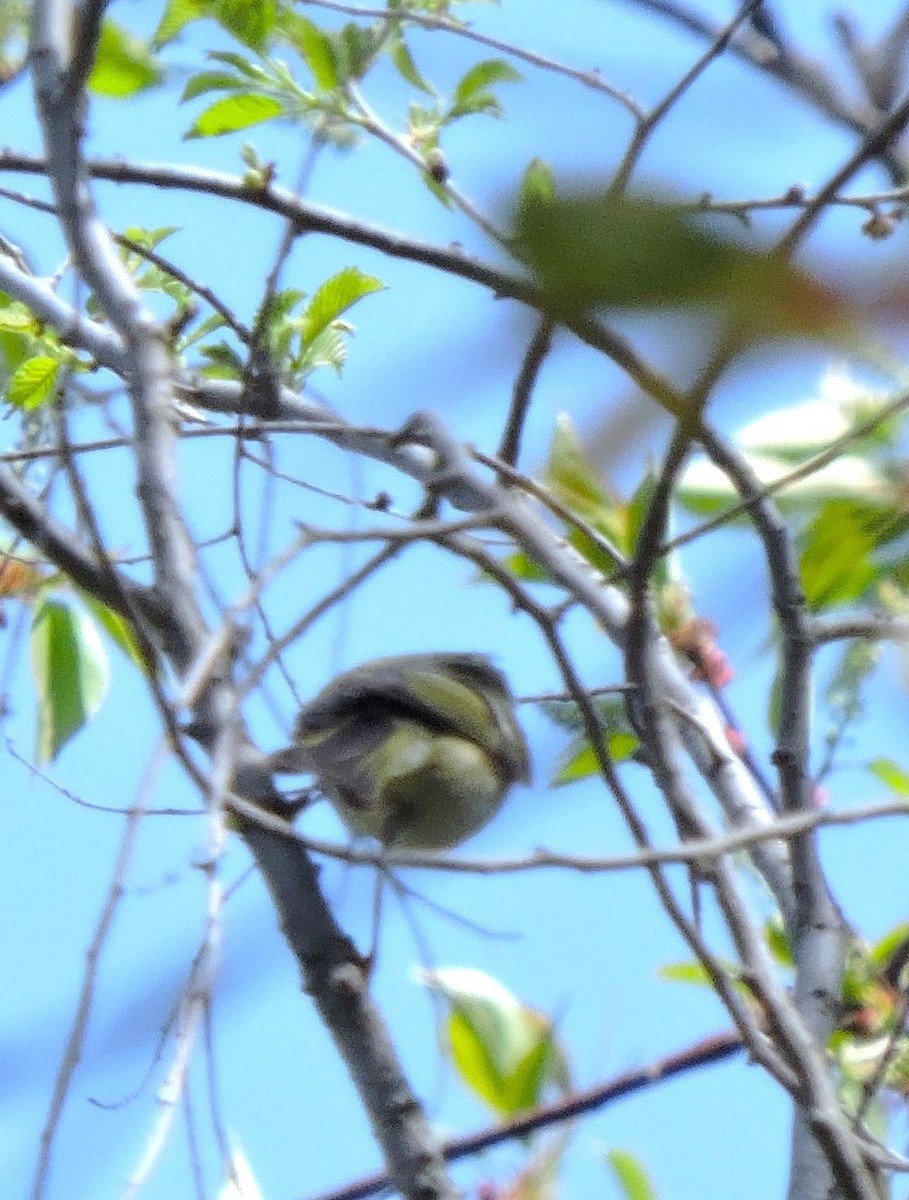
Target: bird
(416, 750)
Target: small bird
(417, 750)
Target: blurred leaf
(33, 383)
(891, 775)
(406, 67)
(843, 694)
(836, 564)
(233, 113)
(882, 952)
(705, 489)
(503, 1050)
(123, 64)
(538, 181)
(71, 673)
(590, 251)
(630, 1175)
(524, 567)
(778, 941)
(687, 972)
(576, 484)
(580, 762)
(177, 14)
(118, 628)
(208, 81)
(249, 23)
(316, 48)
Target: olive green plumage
(417, 750)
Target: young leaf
(123, 64)
(233, 113)
(119, 629)
(630, 1175)
(504, 1051)
(177, 14)
(334, 297)
(537, 182)
(33, 382)
(71, 673)
(891, 775)
(473, 95)
(251, 24)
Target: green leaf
(318, 52)
(537, 182)
(843, 693)
(335, 296)
(33, 383)
(233, 113)
(778, 941)
(209, 81)
(883, 950)
(580, 762)
(17, 316)
(687, 972)
(891, 775)
(71, 673)
(576, 483)
(836, 563)
(472, 94)
(630, 1175)
(177, 14)
(406, 67)
(503, 1050)
(250, 23)
(119, 629)
(123, 64)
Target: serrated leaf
(328, 349)
(71, 673)
(123, 65)
(334, 297)
(630, 1175)
(32, 384)
(233, 113)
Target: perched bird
(417, 750)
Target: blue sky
(584, 949)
